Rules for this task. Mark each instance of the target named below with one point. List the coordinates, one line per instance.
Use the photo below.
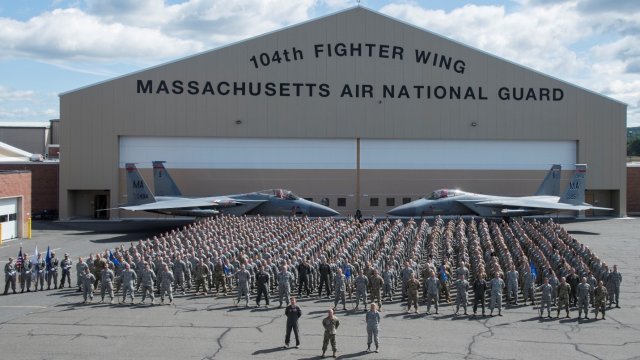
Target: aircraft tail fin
(551, 183)
(574, 194)
(162, 181)
(137, 190)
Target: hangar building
(354, 110)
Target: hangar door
(9, 218)
(239, 153)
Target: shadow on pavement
(578, 232)
(269, 351)
(352, 355)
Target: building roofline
(15, 150)
(353, 8)
(2, 172)
(24, 124)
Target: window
(342, 202)
(3, 218)
(373, 201)
(12, 217)
(391, 201)
(310, 199)
(406, 200)
(325, 202)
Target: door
(100, 203)
(9, 218)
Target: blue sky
(51, 46)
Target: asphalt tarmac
(55, 325)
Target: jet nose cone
(403, 210)
(317, 210)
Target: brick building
(633, 189)
(44, 184)
(15, 203)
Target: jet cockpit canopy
(280, 194)
(444, 193)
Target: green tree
(633, 148)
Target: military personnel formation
(353, 262)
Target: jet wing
(536, 204)
(182, 204)
(249, 205)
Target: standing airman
(462, 287)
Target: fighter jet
(546, 200)
(169, 201)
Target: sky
(48, 47)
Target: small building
(15, 203)
(43, 179)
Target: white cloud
(71, 34)
(339, 4)
(7, 94)
(28, 105)
(210, 22)
(216, 22)
(609, 6)
(536, 37)
(26, 113)
(549, 36)
(145, 29)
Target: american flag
(20, 260)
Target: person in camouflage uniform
(330, 324)
(615, 278)
(432, 285)
(65, 265)
(147, 279)
(593, 283)
(564, 292)
(373, 327)
(413, 285)
(166, 284)
(106, 282)
(202, 273)
(512, 285)
(80, 271)
(179, 270)
(497, 286)
(25, 274)
(528, 284)
(361, 284)
(285, 277)
(583, 298)
(545, 297)
(405, 274)
(87, 285)
(462, 287)
(389, 277)
(600, 298)
(219, 277)
(244, 279)
(376, 285)
(339, 289)
(39, 268)
(128, 278)
(10, 275)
